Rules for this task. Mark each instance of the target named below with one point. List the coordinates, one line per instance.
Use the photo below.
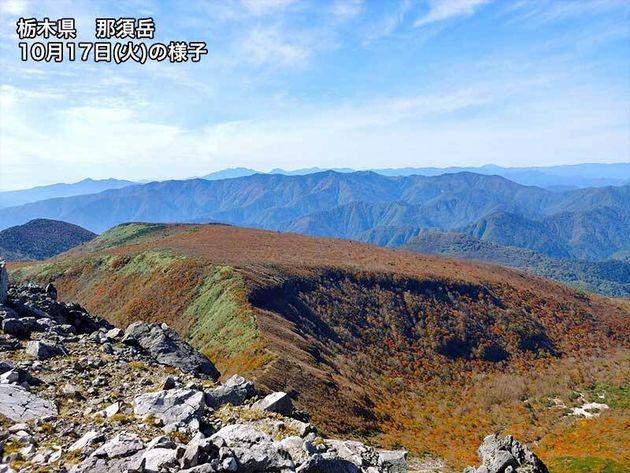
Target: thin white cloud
(440, 10)
(269, 46)
(13, 7)
(346, 9)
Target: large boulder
(4, 282)
(254, 450)
(163, 344)
(20, 328)
(503, 454)
(393, 461)
(234, 391)
(278, 402)
(356, 452)
(41, 350)
(121, 454)
(20, 405)
(173, 406)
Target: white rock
(276, 402)
(91, 437)
(171, 406)
(18, 404)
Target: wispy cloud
(440, 10)
(346, 9)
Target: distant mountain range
(558, 178)
(581, 226)
(40, 239)
(585, 223)
(606, 277)
(86, 186)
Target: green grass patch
(617, 397)
(124, 234)
(587, 465)
(223, 325)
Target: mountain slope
(40, 239)
(389, 345)
(87, 186)
(593, 234)
(606, 277)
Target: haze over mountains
(551, 177)
(586, 223)
(580, 225)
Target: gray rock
(172, 406)
(159, 459)
(392, 461)
(163, 441)
(114, 333)
(276, 402)
(295, 447)
(18, 404)
(20, 328)
(254, 450)
(163, 344)
(4, 283)
(213, 467)
(8, 343)
(355, 452)
(7, 313)
(70, 390)
(235, 391)
(321, 464)
(42, 351)
(88, 439)
(502, 454)
(122, 454)
(51, 290)
(112, 409)
(122, 445)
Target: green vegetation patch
(587, 465)
(223, 325)
(145, 262)
(124, 234)
(617, 397)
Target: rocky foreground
(79, 395)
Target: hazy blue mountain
(592, 234)
(555, 178)
(40, 239)
(558, 178)
(606, 277)
(584, 223)
(305, 171)
(230, 173)
(86, 186)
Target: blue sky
(345, 83)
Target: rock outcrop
(86, 397)
(164, 344)
(506, 455)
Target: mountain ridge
(351, 327)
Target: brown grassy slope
(390, 344)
